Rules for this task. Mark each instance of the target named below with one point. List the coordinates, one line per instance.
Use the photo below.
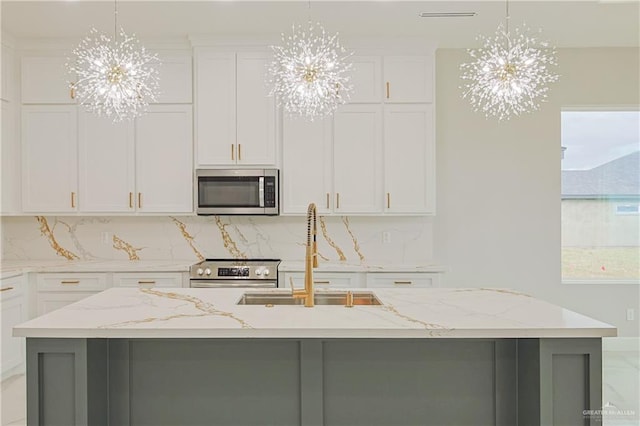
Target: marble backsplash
(340, 238)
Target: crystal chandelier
(115, 77)
(310, 72)
(509, 74)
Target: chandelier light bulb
(116, 78)
(310, 72)
(509, 75)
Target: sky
(593, 138)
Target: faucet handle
(296, 293)
(349, 303)
(293, 290)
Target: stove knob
(265, 272)
(258, 272)
(200, 271)
(207, 271)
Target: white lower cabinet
(324, 280)
(402, 279)
(148, 279)
(13, 311)
(56, 290)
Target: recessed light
(447, 14)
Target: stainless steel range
(217, 273)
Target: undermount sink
(360, 298)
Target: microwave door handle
(261, 190)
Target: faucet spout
(311, 258)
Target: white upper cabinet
(408, 79)
(175, 71)
(307, 164)
(164, 159)
(357, 144)
(49, 158)
(106, 164)
(10, 166)
(235, 119)
(409, 158)
(45, 80)
(7, 90)
(366, 78)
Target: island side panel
(66, 381)
(558, 380)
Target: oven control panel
(235, 270)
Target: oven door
(233, 283)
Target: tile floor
(621, 390)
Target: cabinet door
(47, 302)
(402, 279)
(256, 136)
(7, 90)
(45, 80)
(106, 168)
(215, 108)
(357, 145)
(306, 172)
(13, 311)
(164, 159)
(10, 152)
(366, 79)
(175, 77)
(325, 280)
(409, 158)
(49, 158)
(408, 78)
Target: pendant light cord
(507, 17)
(115, 20)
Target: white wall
(498, 221)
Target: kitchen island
(189, 356)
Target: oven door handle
(261, 190)
(232, 283)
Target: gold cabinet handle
(322, 282)
(388, 89)
(388, 200)
(73, 200)
(139, 200)
(131, 200)
(239, 152)
(146, 282)
(72, 90)
(233, 152)
(403, 282)
(349, 303)
(327, 200)
(6, 289)
(337, 200)
(70, 282)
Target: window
(600, 195)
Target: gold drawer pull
(146, 282)
(327, 200)
(337, 200)
(322, 282)
(73, 200)
(71, 282)
(72, 90)
(403, 282)
(131, 200)
(239, 152)
(139, 200)
(6, 289)
(388, 89)
(233, 150)
(388, 200)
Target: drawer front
(401, 280)
(147, 280)
(47, 302)
(324, 280)
(72, 282)
(11, 287)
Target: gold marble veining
(325, 234)
(48, 233)
(149, 320)
(495, 290)
(205, 307)
(435, 329)
(120, 244)
(229, 244)
(188, 237)
(356, 245)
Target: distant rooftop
(616, 179)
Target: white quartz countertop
(405, 313)
(298, 266)
(15, 267)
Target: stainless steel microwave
(237, 191)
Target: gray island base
(349, 382)
(195, 357)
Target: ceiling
(589, 23)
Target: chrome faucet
(310, 260)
